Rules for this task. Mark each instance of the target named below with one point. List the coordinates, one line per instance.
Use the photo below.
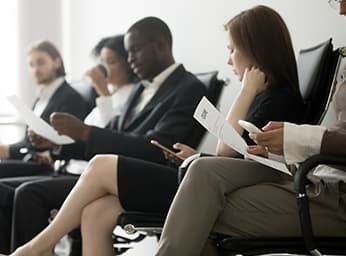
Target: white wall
(37, 19)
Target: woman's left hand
(258, 150)
(254, 80)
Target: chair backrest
(329, 116)
(214, 87)
(316, 67)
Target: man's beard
(48, 79)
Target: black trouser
(34, 198)
(6, 197)
(19, 168)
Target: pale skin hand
(99, 82)
(272, 138)
(39, 142)
(44, 158)
(69, 125)
(253, 83)
(4, 151)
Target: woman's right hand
(99, 81)
(184, 150)
(254, 80)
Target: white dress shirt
(301, 141)
(45, 92)
(150, 88)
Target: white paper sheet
(211, 119)
(38, 125)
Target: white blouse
(108, 106)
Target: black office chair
(316, 69)
(316, 246)
(322, 59)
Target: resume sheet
(211, 119)
(38, 125)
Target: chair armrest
(300, 177)
(300, 181)
(132, 222)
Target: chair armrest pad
(300, 177)
(140, 219)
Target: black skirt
(146, 186)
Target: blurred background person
(113, 89)
(53, 94)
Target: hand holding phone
(249, 127)
(167, 150)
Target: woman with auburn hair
(207, 200)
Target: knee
(201, 168)
(98, 164)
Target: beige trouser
(241, 198)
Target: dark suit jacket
(65, 99)
(167, 118)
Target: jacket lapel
(167, 87)
(56, 97)
(131, 102)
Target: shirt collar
(45, 91)
(160, 78)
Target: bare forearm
(239, 110)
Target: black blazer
(65, 99)
(167, 118)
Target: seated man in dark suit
(161, 108)
(54, 94)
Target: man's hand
(39, 142)
(4, 151)
(69, 125)
(44, 158)
(272, 138)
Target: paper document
(211, 119)
(38, 125)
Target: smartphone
(167, 150)
(249, 126)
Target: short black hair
(115, 43)
(152, 28)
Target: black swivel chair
(317, 72)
